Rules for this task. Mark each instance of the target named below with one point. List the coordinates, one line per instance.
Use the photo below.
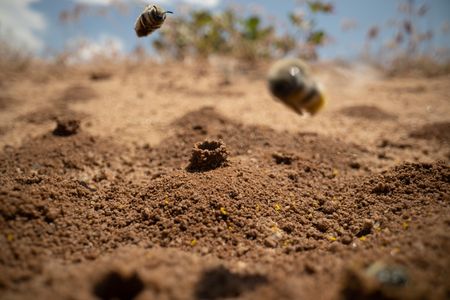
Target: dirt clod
(378, 281)
(270, 242)
(66, 127)
(382, 189)
(366, 228)
(283, 158)
(389, 275)
(355, 165)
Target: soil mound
(367, 112)
(290, 202)
(232, 213)
(6, 100)
(77, 93)
(294, 214)
(50, 114)
(254, 142)
(208, 155)
(437, 131)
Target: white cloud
(94, 2)
(18, 21)
(85, 50)
(206, 3)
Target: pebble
(346, 240)
(387, 274)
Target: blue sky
(35, 24)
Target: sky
(36, 27)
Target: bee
(150, 20)
(289, 81)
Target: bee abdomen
(290, 82)
(146, 30)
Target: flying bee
(150, 20)
(289, 81)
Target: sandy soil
(184, 182)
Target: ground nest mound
(290, 205)
(439, 131)
(368, 112)
(208, 155)
(77, 93)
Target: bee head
(287, 83)
(160, 14)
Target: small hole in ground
(220, 283)
(208, 155)
(209, 145)
(117, 286)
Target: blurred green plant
(309, 35)
(248, 38)
(202, 34)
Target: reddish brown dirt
(439, 131)
(366, 112)
(134, 204)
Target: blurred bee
(290, 82)
(150, 20)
